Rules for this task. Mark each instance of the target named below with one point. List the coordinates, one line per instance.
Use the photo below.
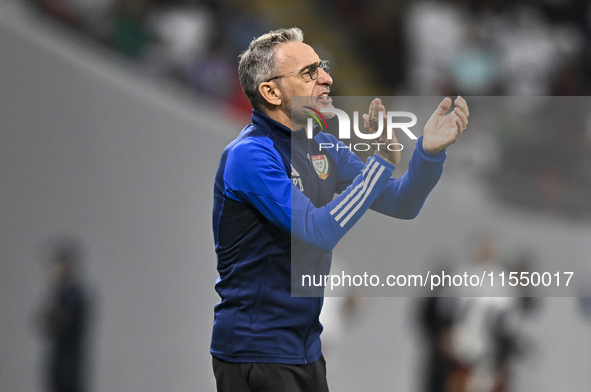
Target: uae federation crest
(320, 165)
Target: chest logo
(321, 166)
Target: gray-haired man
(267, 189)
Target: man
(64, 321)
(269, 203)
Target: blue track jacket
(274, 196)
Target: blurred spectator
(436, 323)
(182, 34)
(64, 319)
(375, 29)
(485, 327)
(214, 74)
(130, 33)
(532, 50)
(474, 69)
(241, 23)
(427, 47)
(435, 320)
(525, 262)
(435, 31)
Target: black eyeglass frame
(323, 64)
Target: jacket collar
(275, 128)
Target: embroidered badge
(321, 166)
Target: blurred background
(112, 119)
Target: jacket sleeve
(255, 174)
(404, 197)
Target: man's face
(292, 56)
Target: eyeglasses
(311, 70)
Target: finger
(374, 118)
(382, 110)
(376, 106)
(384, 122)
(462, 116)
(459, 126)
(366, 122)
(443, 107)
(382, 113)
(372, 106)
(463, 105)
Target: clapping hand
(443, 129)
(381, 143)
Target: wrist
(384, 161)
(430, 149)
(428, 156)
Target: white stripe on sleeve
(362, 185)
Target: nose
(323, 77)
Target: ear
(270, 93)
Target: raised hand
(443, 130)
(371, 122)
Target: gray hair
(257, 63)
